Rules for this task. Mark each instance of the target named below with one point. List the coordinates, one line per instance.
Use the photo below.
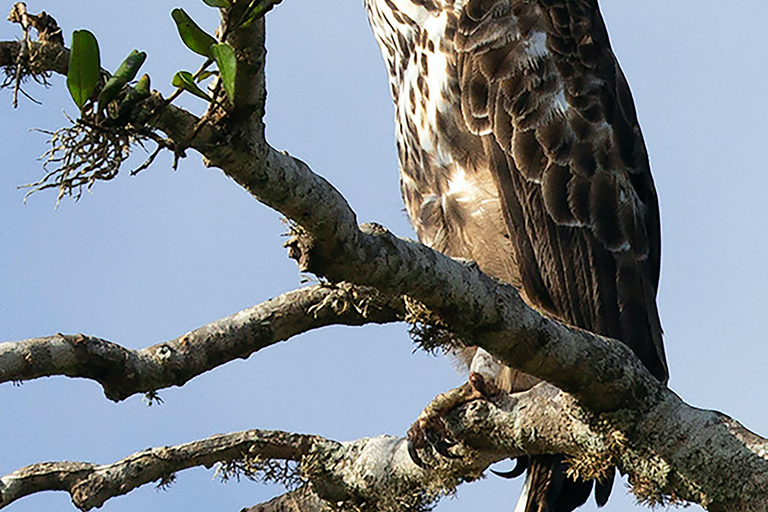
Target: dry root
(48, 32)
(24, 69)
(82, 154)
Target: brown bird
(520, 149)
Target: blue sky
(148, 258)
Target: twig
(161, 144)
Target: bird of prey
(520, 149)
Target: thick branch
(545, 420)
(123, 372)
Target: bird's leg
(429, 430)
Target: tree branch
(376, 473)
(123, 372)
(90, 485)
(379, 473)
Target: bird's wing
(539, 82)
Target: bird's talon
(521, 464)
(417, 440)
(429, 432)
(442, 448)
(437, 436)
(414, 454)
(477, 381)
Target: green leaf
(196, 39)
(124, 74)
(110, 91)
(84, 67)
(139, 92)
(142, 87)
(225, 59)
(185, 80)
(130, 66)
(221, 4)
(257, 9)
(205, 75)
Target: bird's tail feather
(548, 489)
(522, 501)
(603, 488)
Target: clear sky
(148, 258)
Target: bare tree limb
(373, 472)
(90, 485)
(123, 372)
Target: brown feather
(554, 189)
